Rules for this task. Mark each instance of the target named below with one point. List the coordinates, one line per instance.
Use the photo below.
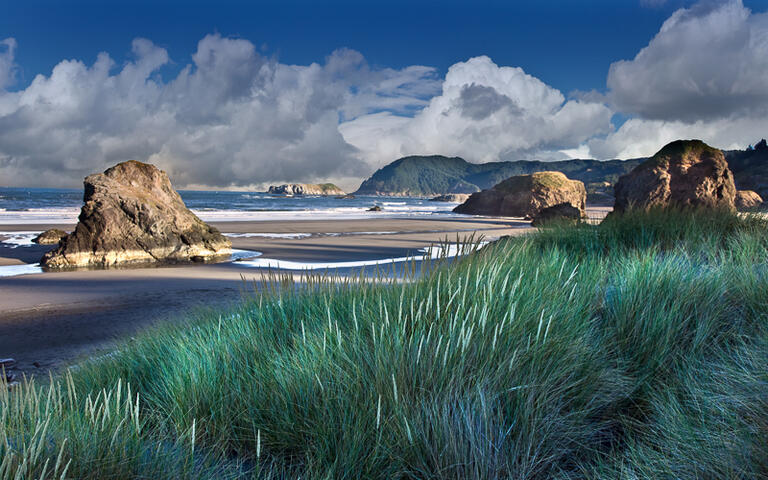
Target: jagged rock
(747, 199)
(526, 195)
(306, 189)
(50, 237)
(560, 212)
(685, 173)
(451, 198)
(132, 214)
(375, 208)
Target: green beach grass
(633, 349)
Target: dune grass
(633, 349)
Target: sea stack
(747, 199)
(306, 189)
(526, 196)
(132, 215)
(50, 237)
(685, 173)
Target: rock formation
(50, 237)
(132, 214)
(375, 208)
(685, 173)
(526, 195)
(747, 199)
(451, 198)
(306, 189)
(560, 212)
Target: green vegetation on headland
(437, 175)
(633, 349)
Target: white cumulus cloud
(484, 112)
(704, 75)
(231, 117)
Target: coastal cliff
(438, 175)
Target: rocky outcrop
(50, 237)
(747, 199)
(562, 212)
(451, 198)
(306, 189)
(375, 208)
(526, 196)
(132, 214)
(685, 173)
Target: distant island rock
(685, 173)
(50, 237)
(747, 199)
(131, 215)
(306, 189)
(451, 198)
(526, 196)
(429, 176)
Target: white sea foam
(243, 254)
(39, 216)
(13, 270)
(18, 239)
(268, 235)
(434, 252)
(397, 209)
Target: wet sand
(55, 318)
(49, 320)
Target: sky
(244, 94)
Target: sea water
(47, 205)
(50, 206)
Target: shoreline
(56, 319)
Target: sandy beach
(52, 319)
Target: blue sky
(568, 44)
(241, 94)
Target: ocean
(49, 205)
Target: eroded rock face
(685, 173)
(50, 237)
(526, 196)
(132, 214)
(306, 189)
(562, 212)
(746, 199)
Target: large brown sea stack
(526, 196)
(132, 215)
(685, 173)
